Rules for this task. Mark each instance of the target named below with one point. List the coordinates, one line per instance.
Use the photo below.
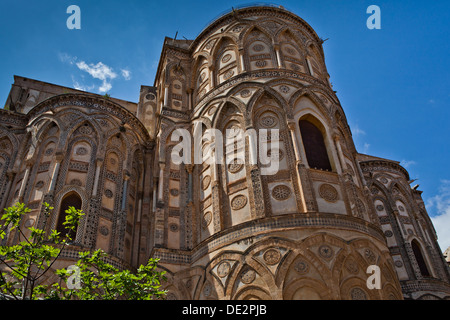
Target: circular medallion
(268, 121)
(81, 151)
(205, 182)
(275, 154)
(284, 89)
(245, 93)
(388, 233)
(328, 192)
(272, 256)
(150, 96)
(281, 192)
(235, 166)
(174, 192)
(108, 193)
(207, 218)
(49, 151)
(248, 276)
(228, 74)
(226, 58)
(380, 207)
(104, 230)
(173, 227)
(238, 202)
(301, 267)
(325, 252)
(223, 269)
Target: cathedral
(224, 230)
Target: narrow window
(314, 144)
(71, 200)
(420, 259)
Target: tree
(23, 265)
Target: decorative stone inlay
(223, 269)
(301, 267)
(49, 151)
(268, 121)
(261, 63)
(207, 218)
(281, 192)
(380, 207)
(235, 166)
(328, 192)
(226, 58)
(206, 182)
(401, 208)
(173, 227)
(108, 193)
(39, 184)
(245, 93)
(272, 256)
(398, 264)
(228, 74)
(238, 202)
(150, 96)
(174, 192)
(275, 154)
(29, 223)
(104, 230)
(370, 256)
(85, 130)
(81, 151)
(358, 294)
(388, 233)
(284, 89)
(258, 47)
(248, 276)
(326, 252)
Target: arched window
(314, 144)
(420, 259)
(70, 200)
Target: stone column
(166, 96)
(97, 175)
(24, 181)
(306, 196)
(58, 158)
(126, 177)
(161, 181)
(277, 51)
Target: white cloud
(407, 163)
(126, 74)
(365, 148)
(356, 131)
(66, 58)
(440, 204)
(99, 71)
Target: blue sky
(393, 83)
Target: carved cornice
(88, 101)
(384, 165)
(266, 226)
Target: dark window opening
(72, 200)
(314, 144)
(420, 259)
